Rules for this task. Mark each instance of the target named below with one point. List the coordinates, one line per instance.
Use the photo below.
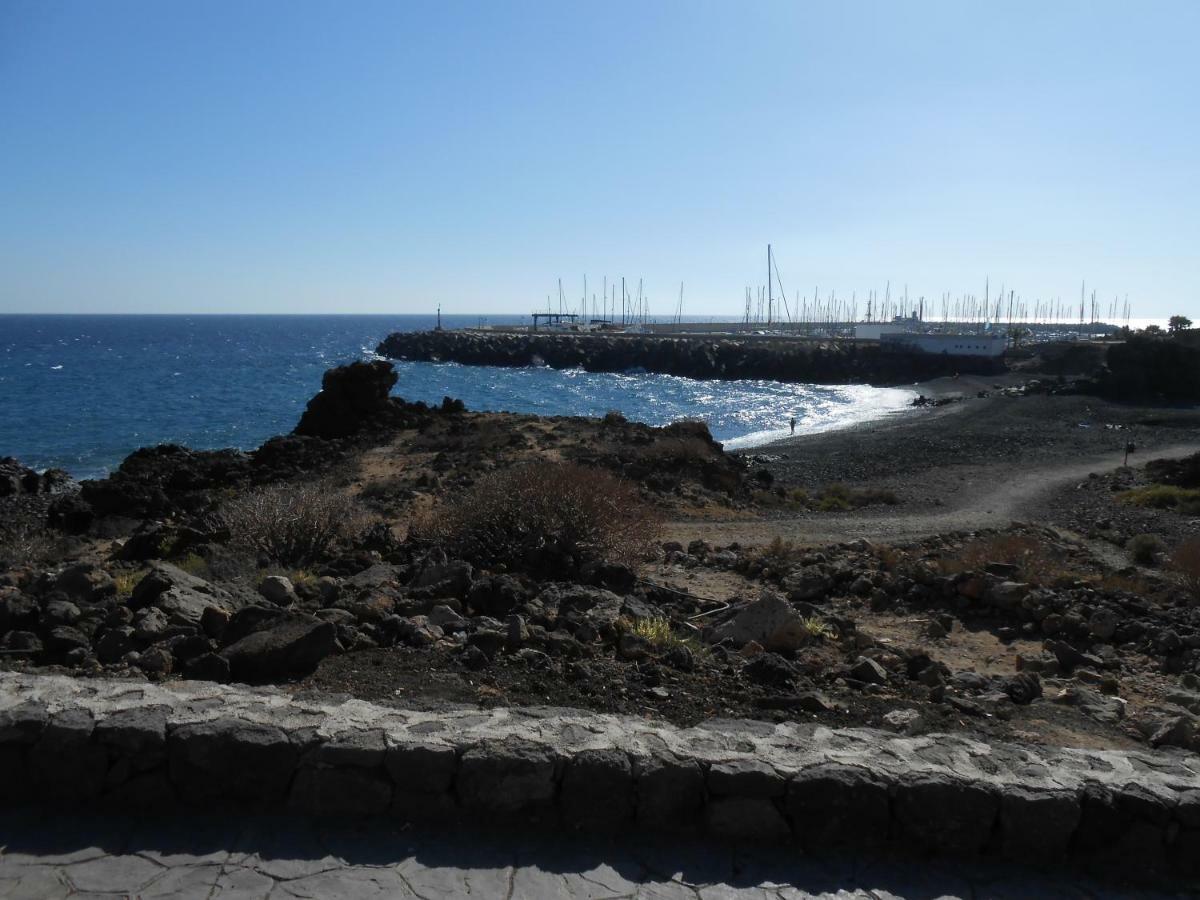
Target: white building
(950, 344)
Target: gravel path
(193, 857)
(977, 497)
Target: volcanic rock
(770, 621)
(350, 397)
(293, 645)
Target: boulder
(182, 597)
(449, 579)
(770, 669)
(293, 644)
(1178, 731)
(807, 584)
(868, 671)
(113, 643)
(85, 583)
(770, 621)
(1022, 688)
(18, 611)
(278, 590)
(496, 595)
(595, 605)
(1109, 710)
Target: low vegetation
(25, 545)
(832, 498)
(294, 524)
(1164, 496)
(817, 629)
(126, 581)
(1035, 560)
(657, 632)
(544, 518)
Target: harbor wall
(782, 359)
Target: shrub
(1145, 548)
(295, 523)
(29, 545)
(614, 417)
(1186, 561)
(544, 518)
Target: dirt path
(985, 497)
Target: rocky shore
(817, 362)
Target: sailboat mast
(770, 298)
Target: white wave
(858, 404)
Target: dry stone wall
(133, 745)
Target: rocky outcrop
(18, 479)
(169, 480)
(350, 397)
(692, 356)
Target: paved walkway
(200, 857)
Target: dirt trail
(996, 495)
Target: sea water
(81, 392)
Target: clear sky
(307, 156)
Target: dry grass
(1164, 496)
(548, 517)
(126, 582)
(193, 564)
(1037, 561)
(779, 555)
(657, 631)
(832, 498)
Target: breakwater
(708, 357)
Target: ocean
(81, 392)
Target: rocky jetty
(691, 356)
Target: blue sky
(383, 157)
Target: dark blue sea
(81, 392)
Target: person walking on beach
(793, 424)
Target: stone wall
(134, 745)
